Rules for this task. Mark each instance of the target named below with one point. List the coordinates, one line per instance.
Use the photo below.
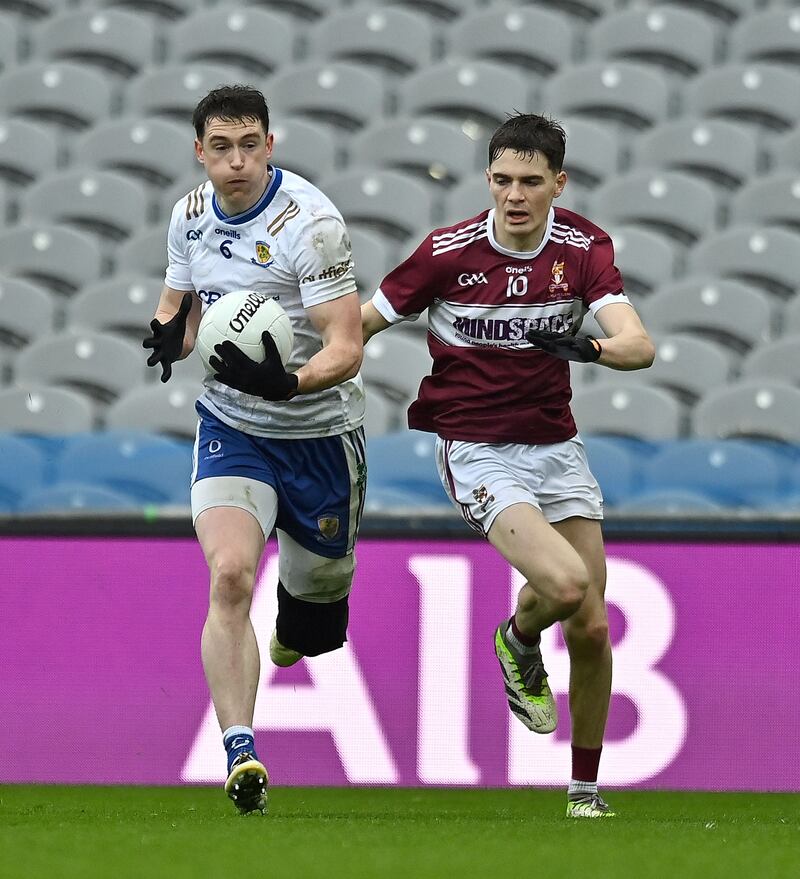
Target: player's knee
(588, 638)
(231, 580)
(567, 588)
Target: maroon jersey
(488, 383)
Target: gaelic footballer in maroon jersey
(482, 298)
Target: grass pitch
(323, 833)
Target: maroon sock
(521, 636)
(585, 762)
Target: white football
(242, 316)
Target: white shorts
(482, 479)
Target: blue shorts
(320, 482)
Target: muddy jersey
(291, 245)
(488, 383)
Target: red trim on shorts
(466, 514)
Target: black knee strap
(311, 627)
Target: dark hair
(231, 103)
(528, 133)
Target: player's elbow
(647, 352)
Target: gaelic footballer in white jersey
(292, 245)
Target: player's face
(523, 188)
(235, 154)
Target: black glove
(267, 379)
(167, 339)
(582, 349)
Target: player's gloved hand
(167, 339)
(267, 379)
(582, 349)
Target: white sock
(517, 644)
(237, 731)
(582, 787)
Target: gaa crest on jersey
(328, 526)
(558, 280)
(263, 255)
(482, 497)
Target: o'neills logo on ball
(250, 306)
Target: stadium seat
(685, 364)
(382, 413)
(44, 410)
(729, 472)
(115, 40)
(583, 11)
(149, 468)
(437, 9)
(27, 311)
(469, 198)
(729, 311)
(717, 149)
(503, 34)
(393, 39)
(159, 9)
(773, 199)
(406, 460)
(778, 360)
(766, 95)
(304, 147)
(642, 412)
(673, 39)
(27, 150)
(645, 259)
(754, 408)
(631, 95)
(767, 256)
(30, 10)
(123, 304)
(23, 466)
(614, 466)
(9, 41)
(768, 35)
(247, 37)
(791, 315)
(174, 90)
(434, 149)
(372, 259)
(101, 365)
(144, 253)
(102, 202)
(301, 10)
(157, 408)
(72, 497)
(668, 502)
(339, 93)
(177, 192)
(785, 150)
(593, 151)
(157, 151)
(61, 259)
(466, 92)
(670, 202)
(397, 362)
(390, 201)
(69, 95)
(725, 11)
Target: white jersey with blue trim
(291, 245)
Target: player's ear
(561, 182)
(270, 144)
(198, 151)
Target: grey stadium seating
(101, 202)
(646, 259)
(754, 408)
(466, 200)
(791, 316)
(643, 412)
(27, 150)
(528, 37)
(122, 304)
(434, 149)
(785, 152)
(160, 408)
(593, 151)
(340, 93)
(63, 93)
(723, 309)
(115, 40)
(631, 95)
(9, 41)
(27, 311)
(301, 10)
(438, 9)
(101, 365)
(397, 363)
(159, 9)
(151, 149)
(144, 253)
(304, 147)
(581, 10)
(382, 413)
(778, 360)
(373, 258)
(769, 35)
(390, 38)
(678, 40)
(772, 199)
(722, 151)
(250, 38)
(62, 259)
(49, 411)
(670, 202)
(724, 11)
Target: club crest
(328, 526)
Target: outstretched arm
(372, 321)
(627, 345)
